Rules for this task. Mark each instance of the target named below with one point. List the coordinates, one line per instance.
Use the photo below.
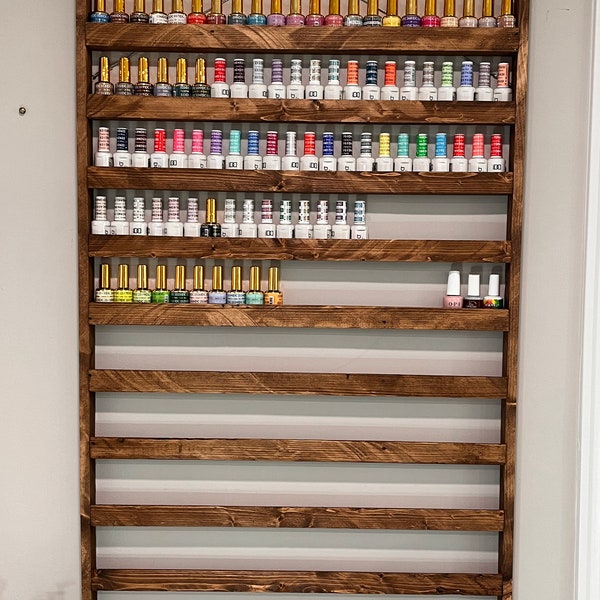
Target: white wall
(38, 502)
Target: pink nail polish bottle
(453, 297)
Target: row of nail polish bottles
(473, 299)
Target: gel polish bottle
(273, 295)
(493, 299)
(473, 298)
(506, 18)
(303, 229)
(123, 293)
(352, 91)
(191, 227)
(237, 16)
(179, 294)
(372, 18)
(371, 91)
(158, 15)
(216, 160)
(182, 88)
(143, 87)
(229, 228)
(322, 228)
(178, 159)
(422, 163)
(276, 89)
(210, 228)
(309, 161)
(347, 162)
(458, 162)
(160, 294)
(384, 162)
(409, 90)
(197, 159)
(100, 224)
(103, 156)
(391, 18)
(220, 87)
(403, 162)
(248, 228)
(328, 162)
(314, 18)
(266, 228)
(353, 18)
(217, 294)
(122, 157)
(430, 18)
(295, 17)
(272, 160)
(159, 159)
(256, 16)
(200, 89)
(173, 226)
(411, 18)
(365, 161)
(216, 16)
(496, 164)
(466, 92)
(447, 91)
(254, 295)
(100, 15)
(141, 294)
(390, 91)
(239, 88)
(156, 227)
(359, 230)
(253, 160)
(234, 159)
(258, 89)
(503, 92)
(162, 87)
(333, 89)
(103, 86)
(477, 162)
(235, 295)
(340, 229)
(197, 16)
(177, 16)
(276, 18)
(334, 18)
(285, 229)
(290, 161)
(198, 295)
(449, 19)
(487, 18)
(453, 297)
(119, 225)
(104, 293)
(468, 19)
(428, 92)
(138, 224)
(124, 87)
(483, 91)
(314, 89)
(295, 89)
(139, 14)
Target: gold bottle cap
(158, 6)
(180, 277)
(391, 9)
(353, 7)
(161, 277)
(124, 69)
(198, 277)
(105, 276)
(237, 6)
(273, 279)
(123, 277)
(143, 69)
(197, 6)
(468, 8)
(177, 6)
(334, 7)
(276, 7)
(449, 8)
(211, 210)
(372, 7)
(295, 7)
(506, 7)
(314, 7)
(100, 6)
(119, 6)
(181, 70)
(236, 279)
(139, 6)
(217, 277)
(487, 10)
(216, 8)
(254, 279)
(142, 277)
(430, 7)
(162, 69)
(257, 7)
(104, 69)
(200, 70)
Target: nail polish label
(217, 297)
(198, 297)
(236, 298)
(273, 298)
(179, 297)
(104, 295)
(160, 296)
(142, 296)
(255, 298)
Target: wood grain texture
(297, 517)
(309, 182)
(294, 40)
(337, 582)
(304, 384)
(299, 111)
(429, 453)
(123, 246)
(329, 317)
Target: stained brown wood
(332, 317)
(309, 182)
(337, 582)
(299, 111)
(300, 517)
(294, 40)
(304, 384)
(295, 249)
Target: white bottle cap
(473, 286)
(453, 288)
(494, 285)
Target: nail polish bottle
(239, 88)
(200, 89)
(158, 15)
(217, 294)
(248, 228)
(119, 225)
(391, 18)
(191, 227)
(123, 293)
(122, 157)
(257, 89)
(124, 87)
(290, 161)
(453, 297)
(118, 15)
(160, 294)
(178, 159)
(237, 16)
(173, 226)
(276, 17)
(103, 156)
(100, 15)
(140, 157)
(440, 163)
(458, 162)
(473, 298)
(162, 87)
(411, 18)
(334, 18)
(347, 162)
(314, 89)
(254, 295)
(138, 224)
(328, 162)
(428, 92)
(253, 160)
(295, 89)
(235, 295)
(496, 164)
(156, 227)
(422, 163)
(403, 163)
(483, 91)
(179, 294)
(468, 19)
(266, 228)
(322, 228)
(314, 18)
(409, 90)
(447, 91)
(493, 299)
(295, 17)
(197, 159)
(273, 295)
(220, 87)
(371, 91)
(477, 162)
(104, 293)
(285, 229)
(506, 18)
(216, 160)
(229, 227)
(340, 229)
(198, 295)
(384, 162)
(197, 16)
(276, 89)
(139, 14)
(333, 89)
(182, 88)
(100, 224)
(487, 18)
(256, 16)
(449, 19)
(234, 159)
(466, 92)
(309, 161)
(390, 91)
(272, 160)
(365, 161)
(210, 228)
(359, 230)
(352, 91)
(353, 18)
(503, 92)
(143, 87)
(103, 86)
(372, 18)
(216, 16)
(141, 294)
(303, 229)
(430, 18)
(159, 159)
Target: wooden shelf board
(313, 182)
(299, 111)
(449, 251)
(304, 384)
